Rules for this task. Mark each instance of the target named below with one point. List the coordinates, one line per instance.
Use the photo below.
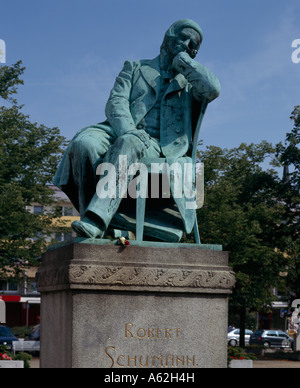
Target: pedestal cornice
(159, 268)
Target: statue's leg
(82, 158)
(101, 210)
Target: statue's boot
(87, 228)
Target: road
(35, 363)
(274, 364)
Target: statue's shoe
(87, 228)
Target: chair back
(197, 130)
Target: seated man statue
(150, 114)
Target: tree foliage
(29, 157)
(254, 214)
(9, 80)
(242, 214)
(289, 195)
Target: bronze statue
(151, 113)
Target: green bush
(239, 354)
(26, 357)
(21, 331)
(3, 349)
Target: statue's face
(187, 40)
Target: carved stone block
(154, 305)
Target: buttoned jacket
(136, 91)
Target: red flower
(4, 357)
(123, 241)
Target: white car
(234, 337)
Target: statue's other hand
(142, 135)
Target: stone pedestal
(148, 305)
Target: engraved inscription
(150, 333)
(148, 361)
(131, 332)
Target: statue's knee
(80, 144)
(129, 140)
(86, 145)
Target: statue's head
(183, 35)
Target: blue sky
(74, 49)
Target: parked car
(271, 338)
(234, 337)
(7, 337)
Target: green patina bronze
(152, 113)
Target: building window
(9, 286)
(32, 288)
(38, 209)
(59, 211)
(64, 211)
(60, 237)
(68, 236)
(68, 211)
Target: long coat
(134, 94)
(136, 90)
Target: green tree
(242, 213)
(289, 195)
(9, 80)
(29, 154)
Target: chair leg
(196, 232)
(141, 208)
